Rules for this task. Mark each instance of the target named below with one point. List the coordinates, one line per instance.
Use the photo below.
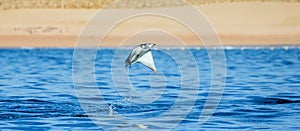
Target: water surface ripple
(262, 90)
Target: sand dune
(117, 4)
(241, 23)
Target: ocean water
(53, 89)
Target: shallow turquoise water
(262, 90)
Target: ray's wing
(132, 56)
(147, 60)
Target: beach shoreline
(71, 41)
(239, 24)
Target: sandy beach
(237, 24)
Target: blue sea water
(37, 90)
